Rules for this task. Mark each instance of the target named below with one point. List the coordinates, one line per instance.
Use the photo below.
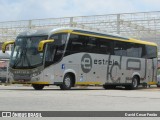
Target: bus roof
(142, 42)
(49, 31)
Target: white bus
(67, 57)
(4, 63)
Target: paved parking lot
(25, 98)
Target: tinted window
(105, 46)
(134, 50)
(151, 52)
(55, 52)
(91, 45)
(120, 48)
(79, 43)
(76, 44)
(129, 49)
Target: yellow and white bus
(67, 57)
(4, 63)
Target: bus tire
(37, 86)
(144, 85)
(134, 84)
(158, 85)
(67, 82)
(109, 86)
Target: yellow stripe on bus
(63, 31)
(88, 83)
(152, 83)
(118, 39)
(112, 38)
(40, 83)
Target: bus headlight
(34, 74)
(35, 79)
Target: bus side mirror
(5, 44)
(42, 43)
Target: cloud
(32, 9)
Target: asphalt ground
(25, 98)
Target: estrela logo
(86, 63)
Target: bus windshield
(25, 52)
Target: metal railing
(143, 25)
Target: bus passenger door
(155, 69)
(149, 70)
(114, 73)
(97, 73)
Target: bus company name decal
(87, 62)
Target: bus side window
(105, 46)
(55, 52)
(76, 44)
(120, 48)
(90, 45)
(134, 50)
(49, 55)
(59, 49)
(151, 52)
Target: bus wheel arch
(73, 78)
(135, 83)
(136, 79)
(68, 81)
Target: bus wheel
(67, 82)
(109, 86)
(37, 87)
(134, 84)
(144, 85)
(158, 85)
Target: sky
(13, 10)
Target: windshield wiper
(25, 57)
(22, 58)
(18, 59)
